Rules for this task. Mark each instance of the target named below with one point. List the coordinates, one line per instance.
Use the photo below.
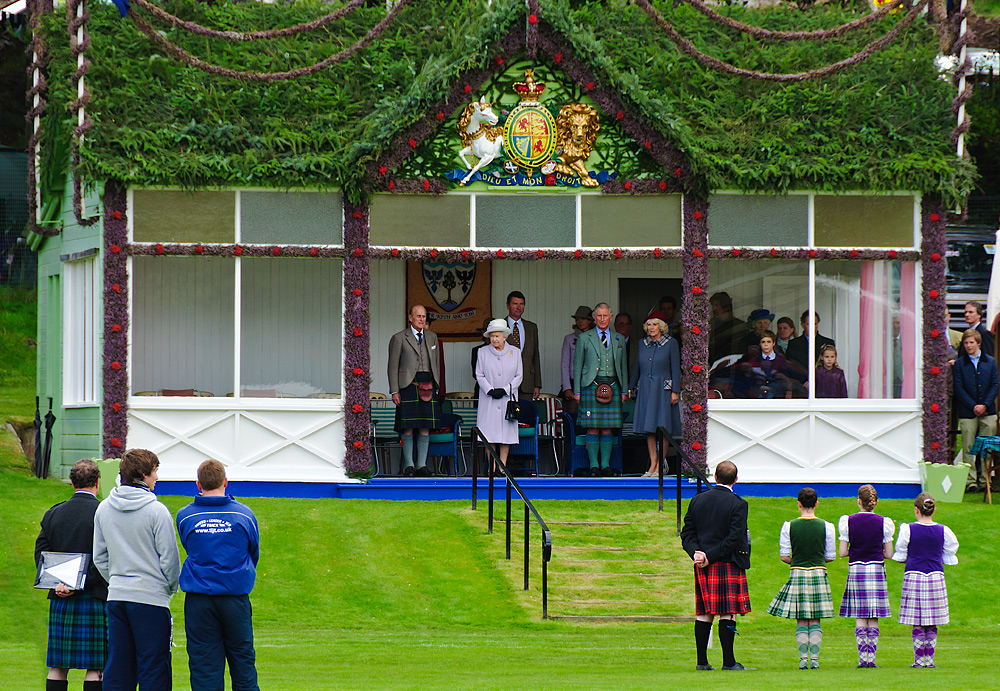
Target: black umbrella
(38, 440)
(50, 419)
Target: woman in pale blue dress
(655, 385)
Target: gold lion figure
(577, 127)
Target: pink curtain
(871, 356)
(907, 327)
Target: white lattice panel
(818, 443)
(259, 444)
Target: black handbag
(513, 409)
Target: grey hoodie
(135, 547)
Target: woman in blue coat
(655, 385)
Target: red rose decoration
(499, 60)
(392, 185)
(628, 186)
(382, 170)
(578, 254)
(412, 143)
(199, 249)
(115, 248)
(434, 253)
(618, 254)
(358, 292)
(558, 57)
(935, 408)
(358, 215)
(313, 252)
(678, 172)
(935, 257)
(465, 254)
(619, 115)
(662, 186)
(440, 115)
(935, 445)
(116, 288)
(117, 407)
(697, 252)
(359, 444)
(736, 252)
(116, 442)
(696, 330)
(589, 86)
(935, 333)
(357, 371)
(357, 251)
(467, 89)
(935, 218)
(159, 248)
(116, 365)
(812, 254)
(935, 370)
(657, 252)
(892, 254)
(394, 252)
(117, 215)
(358, 332)
(697, 215)
(237, 250)
(116, 328)
(357, 408)
(696, 368)
(854, 254)
(532, 18)
(648, 144)
(550, 180)
(696, 290)
(933, 294)
(427, 186)
(696, 407)
(500, 253)
(774, 252)
(696, 446)
(276, 251)
(540, 253)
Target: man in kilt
(78, 623)
(600, 360)
(715, 536)
(413, 360)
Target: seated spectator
(764, 370)
(785, 332)
(758, 322)
(725, 332)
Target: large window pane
(291, 328)
(525, 220)
(182, 325)
(287, 218)
(176, 216)
(861, 221)
(419, 220)
(756, 220)
(81, 363)
(652, 220)
(750, 298)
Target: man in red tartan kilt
(715, 536)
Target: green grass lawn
(17, 354)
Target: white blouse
(949, 555)
(888, 528)
(785, 541)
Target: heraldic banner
(457, 296)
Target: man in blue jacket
(976, 388)
(222, 541)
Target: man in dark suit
(623, 325)
(716, 538)
(413, 361)
(974, 318)
(798, 347)
(78, 628)
(524, 335)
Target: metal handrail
(682, 460)
(491, 454)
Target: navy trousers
(138, 647)
(219, 629)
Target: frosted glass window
(291, 328)
(758, 221)
(176, 216)
(419, 220)
(287, 218)
(858, 221)
(183, 324)
(627, 221)
(81, 361)
(525, 220)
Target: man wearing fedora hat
(584, 321)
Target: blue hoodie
(222, 542)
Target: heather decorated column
(935, 331)
(695, 314)
(116, 320)
(357, 359)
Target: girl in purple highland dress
(830, 379)
(926, 547)
(866, 540)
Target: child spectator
(866, 540)
(765, 370)
(806, 543)
(830, 379)
(925, 547)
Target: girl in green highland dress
(806, 543)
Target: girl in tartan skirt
(866, 539)
(806, 543)
(925, 547)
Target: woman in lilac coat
(498, 373)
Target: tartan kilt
(865, 595)
(806, 595)
(721, 588)
(594, 415)
(78, 633)
(925, 599)
(412, 413)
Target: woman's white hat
(497, 325)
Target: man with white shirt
(976, 387)
(413, 382)
(524, 335)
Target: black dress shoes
(423, 472)
(408, 471)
